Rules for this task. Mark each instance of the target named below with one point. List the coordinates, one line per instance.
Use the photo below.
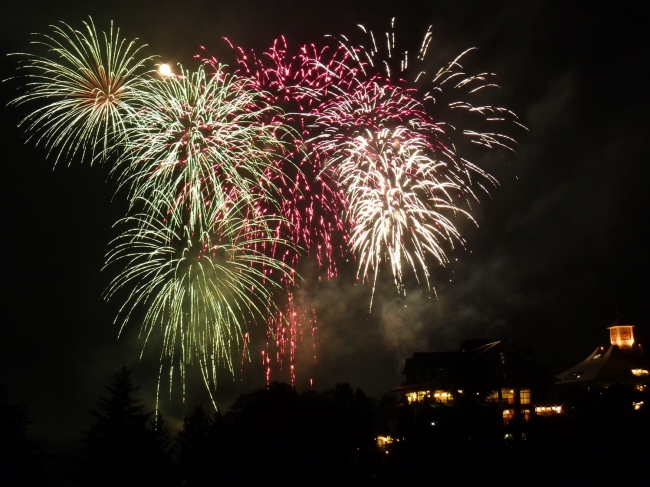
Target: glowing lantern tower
(622, 335)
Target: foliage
(119, 448)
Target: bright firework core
(165, 70)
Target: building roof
(623, 362)
(489, 365)
(608, 367)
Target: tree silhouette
(119, 449)
(278, 436)
(199, 447)
(20, 460)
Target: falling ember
(244, 354)
(285, 333)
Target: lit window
(639, 372)
(526, 414)
(524, 396)
(418, 396)
(508, 414)
(503, 359)
(508, 395)
(384, 441)
(548, 410)
(637, 405)
(493, 396)
(442, 396)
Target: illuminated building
(498, 374)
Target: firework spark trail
(203, 141)
(395, 184)
(312, 205)
(298, 80)
(91, 85)
(390, 150)
(396, 203)
(200, 289)
(199, 154)
(202, 161)
(286, 331)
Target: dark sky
(558, 248)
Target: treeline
(277, 436)
(272, 435)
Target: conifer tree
(119, 449)
(20, 457)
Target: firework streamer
(398, 161)
(203, 141)
(298, 80)
(199, 155)
(206, 153)
(312, 204)
(199, 290)
(90, 84)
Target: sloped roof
(607, 367)
(431, 361)
(455, 367)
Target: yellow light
(547, 410)
(165, 70)
(639, 372)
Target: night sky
(558, 249)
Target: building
(498, 374)
(624, 362)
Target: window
(417, 396)
(639, 372)
(508, 414)
(524, 396)
(442, 396)
(384, 441)
(493, 396)
(508, 395)
(548, 410)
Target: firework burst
(203, 141)
(201, 290)
(91, 85)
(390, 150)
(298, 80)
